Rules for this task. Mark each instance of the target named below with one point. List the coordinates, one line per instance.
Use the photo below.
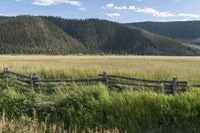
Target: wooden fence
(112, 81)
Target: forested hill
(110, 37)
(187, 31)
(35, 35)
(53, 35)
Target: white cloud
(120, 7)
(189, 15)
(113, 14)
(165, 14)
(76, 3)
(131, 7)
(109, 5)
(56, 2)
(7, 15)
(154, 12)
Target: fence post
(5, 75)
(33, 79)
(174, 85)
(5, 72)
(105, 78)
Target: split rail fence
(112, 81)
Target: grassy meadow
(95, 108)
(150, 67)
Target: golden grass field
(150, 67)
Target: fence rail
(144, 80)
(112, 81)
(73, 80)
(133, 84)
(195, 85)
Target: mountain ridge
(55, 35)
(182, 30)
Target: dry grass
(27, 125)
(153, 67)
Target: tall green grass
(96, 107)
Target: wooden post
(105, 78)
(174, 85)
(5, 72)
(33, 79)
(5, 76)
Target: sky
(122, 11)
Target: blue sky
(114, 10)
